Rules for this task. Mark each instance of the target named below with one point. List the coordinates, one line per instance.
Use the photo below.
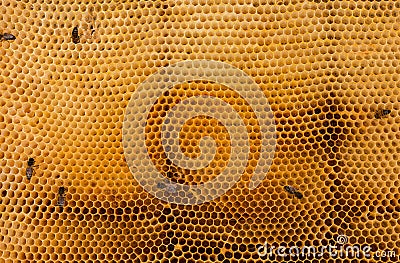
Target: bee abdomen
(298, 195)
(60, 201)
(7, 36)
(29, 172)
(75, 35)
(382, 113)
(289, 189)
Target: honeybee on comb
(30, 171)
(75, 35)
(379, 114)
(294, 191)
(7, 36)
(61, 197)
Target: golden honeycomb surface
(325, 67)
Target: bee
(92, 30)
(379, 114)
(30, 171)
(7, 36)
(91, 20)
(75, 35)
(169, 188)
(294, 191)
(61, 197)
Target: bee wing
(28, 176)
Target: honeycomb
(325, 67)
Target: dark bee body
(298, 195)
(294, 191)
(30, 171)
(75, 35)
(61, 190)
(379, 114)
(61, 196)
(7, 36)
